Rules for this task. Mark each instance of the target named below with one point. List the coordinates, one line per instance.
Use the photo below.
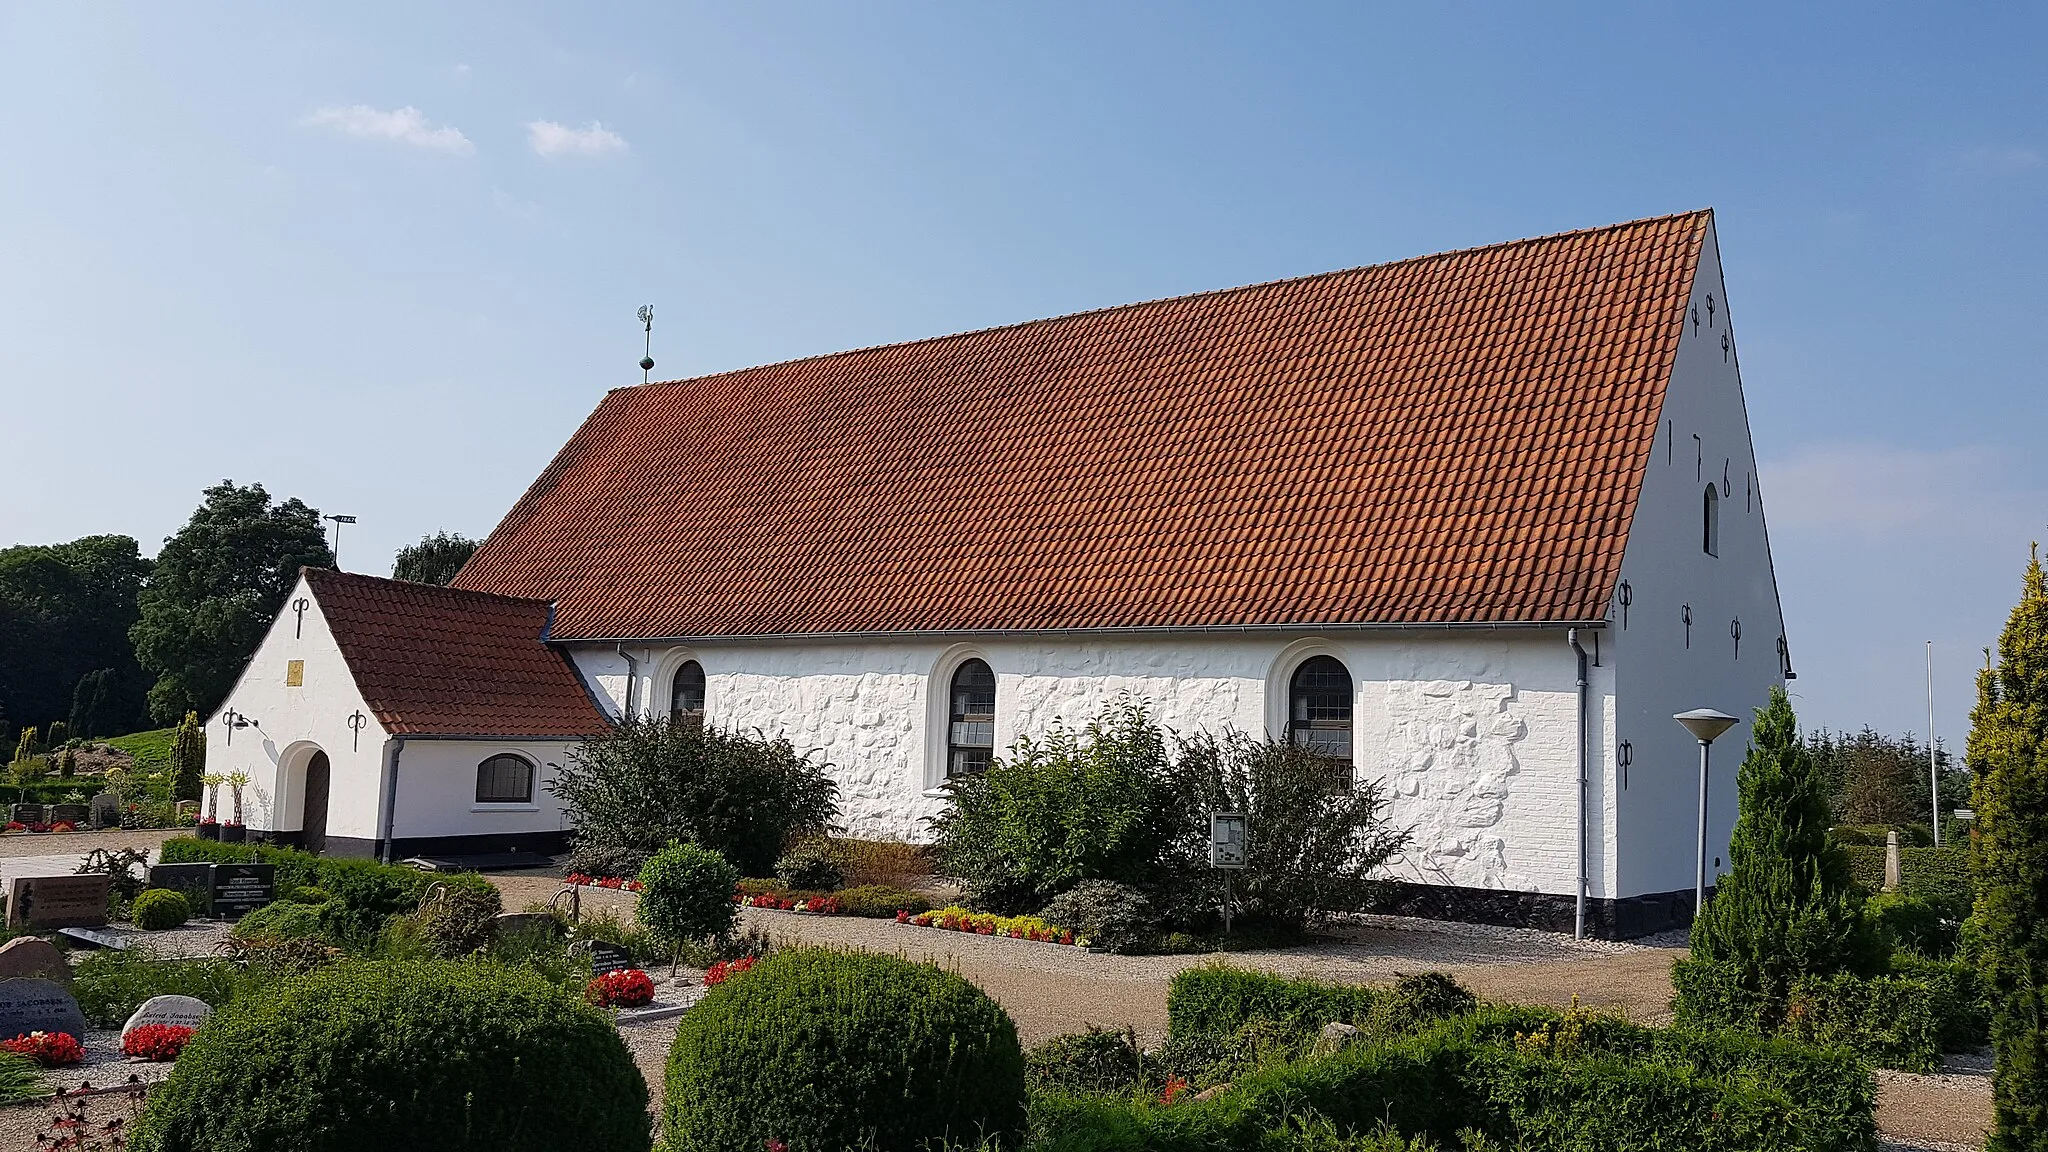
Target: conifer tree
(1787, 908)
(188, 758)
(26, 746)
(2008, 752)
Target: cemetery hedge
(369, 892)
(110, 984)
(825, 1050)
(461, 1056)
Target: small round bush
(282, 920)
(686, 894)
(824, 1050)
(450, 1056)
(158, 908)
(810, 869)
(1112, 915)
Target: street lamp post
(1704, 724)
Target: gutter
(632, 673)
(1579, 917)
(1131, 630)
(389, 820)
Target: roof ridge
(312, 573)
(1501, 246)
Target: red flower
(63, 826)
(626, 988)
(156, 1042)
(725, 970)
(902, 916)
(16, 826)
(577, 878)
(1174, 1087)
(1066, 937)
(49, 1049)
(777, 1146)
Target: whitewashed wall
(1474, 731)
(1666, 568)
(436, 794)
(293, 723)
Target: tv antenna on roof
(647, 350)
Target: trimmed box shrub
(1890, 1021)
(459, 1057)
(810, 868)
(880, 902)
(1217, 999)
(156, 909)
(110, 984)
(686, 894)
(282, 920)
(824, 1050)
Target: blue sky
(386, 257)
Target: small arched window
(504, 779)
(970, 720)
(686, 698)
(1319, 713)
(1710, 537)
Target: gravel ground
(79, 843)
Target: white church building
(1478, 522)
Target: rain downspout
(632, 674)
(385, 848)
(1579, 917)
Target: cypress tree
(2008, 752)
(59, 733)
(188, 758)
(26, 746)
(1787, 908)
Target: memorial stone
(180, 1011)
(194, 880)
(608, 958)
(239, 889)
(33, 956)
(106, 810)
(37, 902)
(27, 814)
(32, 1005)
(73, 814)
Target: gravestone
(58, 901)
(181, 1011)
(194, 880)
(27, 814)
(33, 956)
(604, 957)
(106, 810)
(239, 889)
(74, 814)
(32, 1005)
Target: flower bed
(816, 905)
(579, 880)
(725, 970)
(156, 1043)
(626, 988)
(49, 1049)
(988, 924)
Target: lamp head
(1705, 723)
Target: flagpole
(1933, 769)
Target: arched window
(971, 720)
(504, 779)
(1710, 538)
(1319, 713)
(686, 699)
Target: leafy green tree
(686, 895)
(92, 705)
(216, 586)
(1787, 907)
(647, 782)
(188, 758)
(2008, 753)
(434, 560)
(65, 611)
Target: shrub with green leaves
(2008, 752)
(810, 868)
(647, 782)
(825, 1051)
(456, 920)
(111, 983)
(1111, 915)
(880, 901)
(20, 1079)
(367, 893)
(156, 909)
(1786, 910)
(461, 1057)
(1911, 923)
(282, 920)
(686, 894)
(1217, 999)
(1097, 1061)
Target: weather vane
(647, 350)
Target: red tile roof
(1455, 438)
(441, 661)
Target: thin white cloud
(405, 125)
(1892, 494)
(550, 140)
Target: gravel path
(77, 844)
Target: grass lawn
(150, 749)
